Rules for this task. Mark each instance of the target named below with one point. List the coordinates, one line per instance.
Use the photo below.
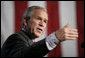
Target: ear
(25, 22)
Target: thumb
(67, 25)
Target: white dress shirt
(51, 41)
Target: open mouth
(39, 29)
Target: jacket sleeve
(14, 47)
(37, 49)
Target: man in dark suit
(34, 23)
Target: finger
(72, 33)
(67, 25)
(75, 30)
(73, 36)
(70, 38)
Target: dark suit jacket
(20, 45)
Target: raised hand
(66, 33)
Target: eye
(45, 21)
(38, 18)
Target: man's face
(38, 22)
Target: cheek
(45, 25)
(44, 29)
(33, 25)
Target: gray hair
(30, 11)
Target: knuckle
(65, 37)
(64, 30)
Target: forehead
(42, 13)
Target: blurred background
(59, 13)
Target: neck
(30, 35)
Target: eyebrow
(41, 17)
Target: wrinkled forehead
(40, 12)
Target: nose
(41, 24)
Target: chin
(37, 34)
